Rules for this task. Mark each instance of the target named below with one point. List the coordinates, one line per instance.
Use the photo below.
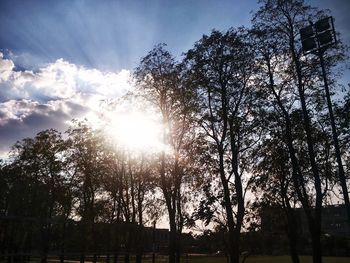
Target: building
(335, 230)
(156, 239)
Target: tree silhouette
(158, 77)
(221, 71)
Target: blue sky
(59, 58)
(110, 35)
(114, 35)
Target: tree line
(246, 120)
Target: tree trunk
(138, 258)
(93, 232)
(108, 245)
(139, 244)
(116, 234)
(127, 257)
(172, 240)
(45, 243)
(140, 232)
(63, 239)
(83, 240)
(170, 204)
(116, 255)
(316, 245)
(178, 247)
(234, 257)
(292, 232)
(232, 246)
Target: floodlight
(309, 44)
(307, 32)
(323, 24)
(325, 37)
(317, 36)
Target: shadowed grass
(215, 259)
(264, 259)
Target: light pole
(154, 242)
(315, 39)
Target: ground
(209, 259)
(267, 259)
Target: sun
(137, 131)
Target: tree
(141, 189)
(158, 77)
(112, 182)
(273, 180)
(342, 118)
(137, 185)
(86, 155)
(220, 70)
(40, 161)
(290, 78)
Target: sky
(60, 59)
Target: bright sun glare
(136, 131)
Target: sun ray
(137, 131)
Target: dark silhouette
(244, 111)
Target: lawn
(215, 259)
(266, 259)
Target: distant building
(334, 220)
(157, 237)
(335, 230)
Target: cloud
(6, 68)
(59, 80)
(31, 101)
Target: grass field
(257, 259)
(215, 259)
(266, 259)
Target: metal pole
(153, 243)
(342, 177)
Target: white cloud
(6, 68)
(59, 80)
(51, 96)
(15, 110)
